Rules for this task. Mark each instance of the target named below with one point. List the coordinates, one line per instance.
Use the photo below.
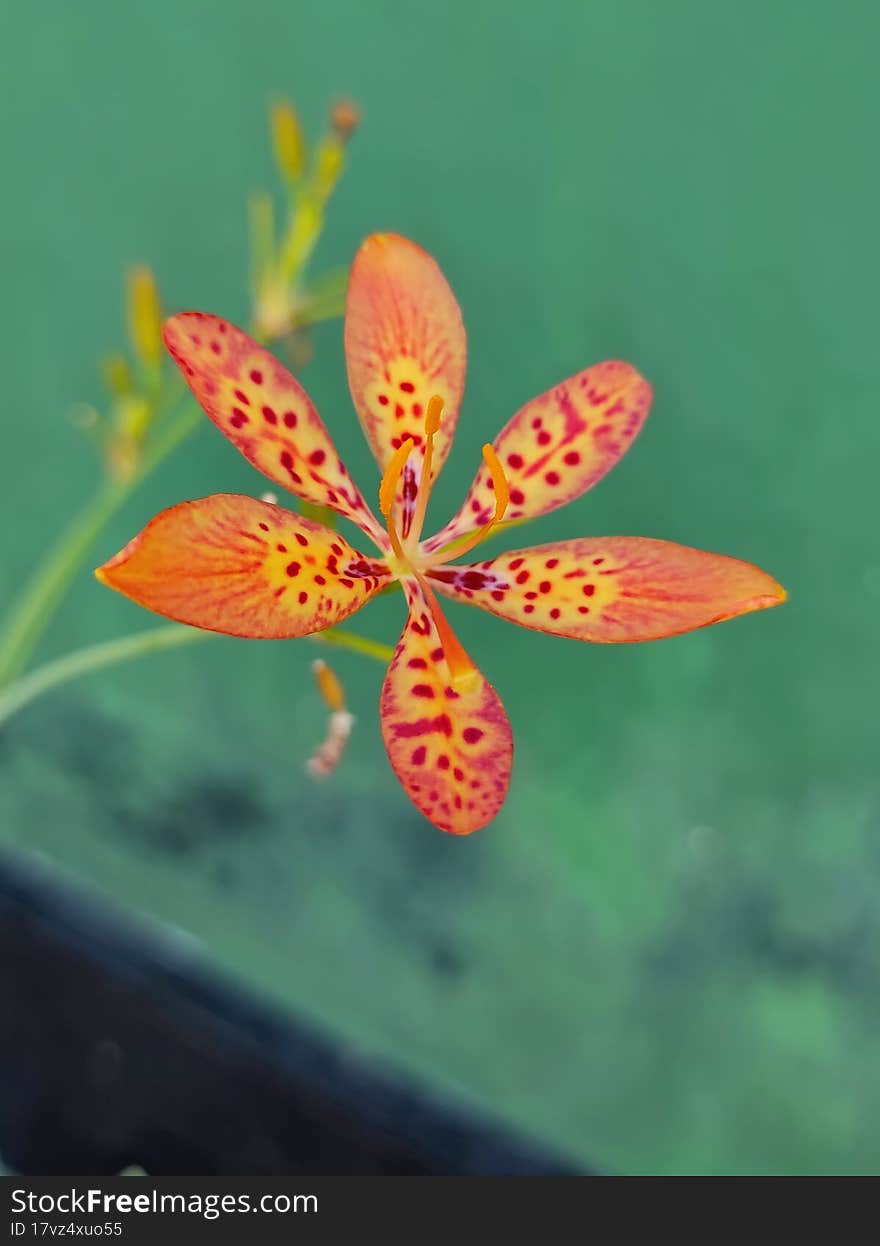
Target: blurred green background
(663, 956)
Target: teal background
(663, 956)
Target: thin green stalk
(111, 652)
(35, 606)
(92, 658)
(340, 639)
(31, 614)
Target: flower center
(407, 557)
(407, 554)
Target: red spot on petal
(407, 387)
(265, 527)
(588, 590)
(269, 415)
(383, 399)
(422, 690)
(289, 418)
(319, 579)
(517, 497)
(544, 586)
(417, 664)
(551, 563)
(293, 568)
(303, 540)
(242, 397)
(555, 612)
(257, 376)
(522, 577)
(419, 755)
(317, 457)
(443, 762)
(552, 478)
(572, 458)
(472, 734)
(544, 438)
(303, 598)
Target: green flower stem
(36, 604)
(341, 639)
(111, 652)
(92, 658)
(31, 614)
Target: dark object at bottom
(118, 1048)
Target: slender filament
(432, 425)
(502, 497)
(388, 489)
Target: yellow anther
(388, 487)
(328, 685)
(435, 411)
(499, 480)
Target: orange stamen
(388, 489)
(502, 497)
(432, 425)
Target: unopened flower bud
(345, 118)
(288, 141)
(144, 316)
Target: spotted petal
(612, 588)
(557, 446)
(404, 342)
(448, 738)
(231, 564)
(265, 413)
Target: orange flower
(232, 564)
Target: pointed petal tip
(386, 239)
